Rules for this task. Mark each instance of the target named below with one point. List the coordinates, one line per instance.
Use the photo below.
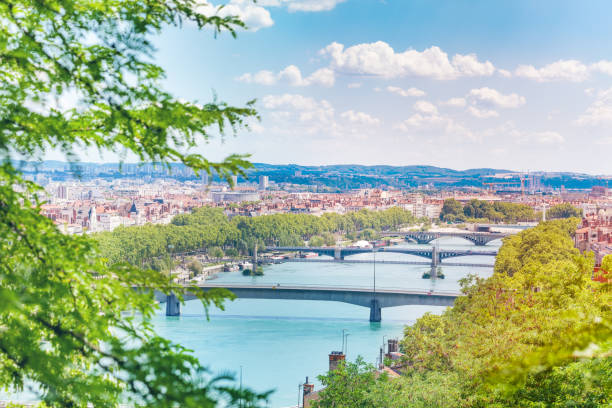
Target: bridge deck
(383, 261)
(386, 297)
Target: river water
(277, 343)
(280, 342)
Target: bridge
(366, 297)
(425, 237)
(436, 255)
(383, 261)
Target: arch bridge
(436, 255)
(425, 237)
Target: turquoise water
(280, 342)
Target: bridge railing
(230, 285)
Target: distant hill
(335, 177)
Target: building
(595, 234)
(263, 182)
(234, 196)
(62, 192)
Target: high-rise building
(263, 182)
(62, 192)
(235, 180)
(204, 177)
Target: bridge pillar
(435, 257)
(173, 306)
(375, 314)
(338, 253)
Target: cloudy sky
(524, 85)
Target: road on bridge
(361, 296)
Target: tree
(195, 267)
(316, 241)
(606, 263)
(535, 334)
(368, 234)
(348, 385)
(216, 252)
(451, 207)
(79, 74)
(565, 210)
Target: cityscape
(305, 204)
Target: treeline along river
(279, 342)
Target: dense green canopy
(478, 210)
(78, 75)
(538, 333)
(208, 227)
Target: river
(280, 342)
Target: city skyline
(507, 85)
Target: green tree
(316, 241)
(368, 234)
(535, 334)
(606, 263)
(451, 207)
(216, 252)
(348, 385)
(565, 210)
(195, 267)
(61, 304)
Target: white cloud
(304, 5)
(494, 97)
(294, 114)
(605, 67)
(354, 85)
(262, 77)
(455, 102)
(360, 117)
(504, 73)
(428, 121)
(600, 111)
(435, 125)
(509, 131)
(548, 137)
(468, 65)
(323, 76)
(562, 70)
(482, 113)
(380, 59)
(253, 15)
(292, 76)
(425, 107)
(289, 101)
(406, 92)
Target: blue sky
(525, 85)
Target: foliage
(535, 334)
(451, 207)
(316, 241)
(78, 75)
(453, 211)
(606, 263)
(208, 227)
(565, 210)
(368, 234)
(195, 267)
(348, 385)
(215, 252)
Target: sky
(522, 85)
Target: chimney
(335, 357)
(308, 389)
(392, 346)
